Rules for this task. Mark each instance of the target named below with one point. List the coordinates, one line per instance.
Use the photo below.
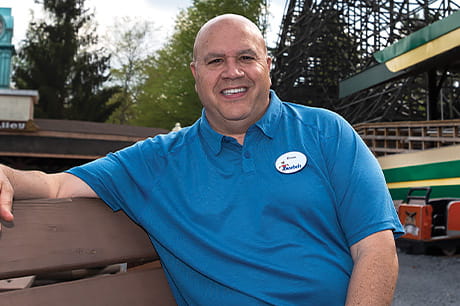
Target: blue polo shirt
(244, 225)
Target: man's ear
(193, 69)
(269, 63)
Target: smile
(233, 91)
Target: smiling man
(232, 73)
(260, 202)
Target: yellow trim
(432, 48)
(424, 183)
(431, 156)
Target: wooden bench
(73, 252)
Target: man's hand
(6, 198)
(37, 185)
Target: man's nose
(232, 69)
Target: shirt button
(247, 154)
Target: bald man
(259, 202)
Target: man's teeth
(233, 91)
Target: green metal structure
(6, 48)
(334, 54)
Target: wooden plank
(66, 234)
(414, 138)
(410, 124)
(137, 288)
(49, 155)
(60, 145)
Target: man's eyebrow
(247, 51)
(213, 55)
(219, 55)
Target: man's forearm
(30, 184)
(375, 273)
(17, 184)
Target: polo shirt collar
(211, 137)
(267, 124)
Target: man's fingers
(6, 198)
(6, 202)
(5, 213)
(5, 208)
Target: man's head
(232, 72)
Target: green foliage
(59, 58)
(168, 95)
(130, 43)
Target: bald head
(230, 22)
(231, 68)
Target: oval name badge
(291, 162)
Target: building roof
(51, 138)
(430, 33)
(436, 45)
(96, 128)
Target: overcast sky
(161, 12)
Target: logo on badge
(291, 162)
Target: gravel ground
(430, 279)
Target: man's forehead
(217, 37)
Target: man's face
(232, 74)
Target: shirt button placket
(248, 161)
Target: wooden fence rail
(408, 136)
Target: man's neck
(235, 129)
(239, 138)
(237, 133)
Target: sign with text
(13, 125)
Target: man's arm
(19, 184)
(375, 271)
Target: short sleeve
(364, 203)
(123, 177)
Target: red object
(417, 220)
(453, 219)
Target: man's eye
(215, 61)
(247, 58)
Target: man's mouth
(233, 91)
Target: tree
(130, 42)
(168, 95)
(60, 58)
